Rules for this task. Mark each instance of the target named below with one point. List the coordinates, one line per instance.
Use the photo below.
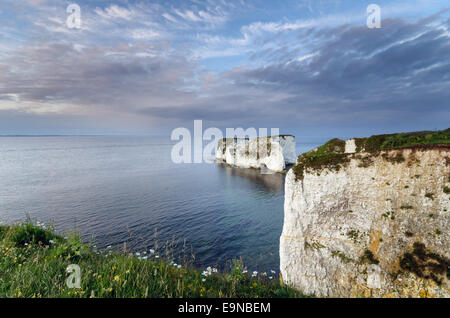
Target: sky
(309, 68)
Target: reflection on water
(274, 181)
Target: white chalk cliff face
(272, 152)
(377, 226)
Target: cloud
(115, 12)
(120, 77)
(344, 78)
(145, 34)
(295, 74)
(191, 16)
(169, 17)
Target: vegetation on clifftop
(33, 263)
(402, 140)
(332, 161)
(332, 155)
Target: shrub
(28, 233)
(368, 257)
(424, 264)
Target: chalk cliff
(370, 217)
(272, 152)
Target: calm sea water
(126, 190)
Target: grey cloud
(395, 75)
(403, 66)
(94, 76)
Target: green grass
(330, 155)
(394, 141)
(33, 263)
(332, 146)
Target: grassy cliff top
(402, 140)
(332, 154)
(33, 263)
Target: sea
(125, 192)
